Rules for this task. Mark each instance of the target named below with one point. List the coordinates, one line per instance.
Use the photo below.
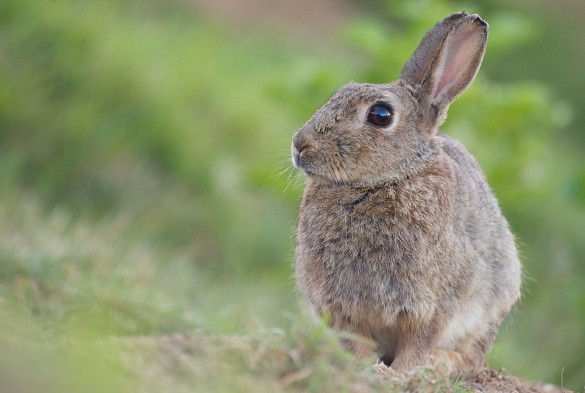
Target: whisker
(288, 181)
(281, 172)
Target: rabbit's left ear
(445, 63)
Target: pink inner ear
(459, 50)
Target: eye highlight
(380, 115)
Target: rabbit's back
(481, 223)
(491, 258)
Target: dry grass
(183, 362)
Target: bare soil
(499, 381)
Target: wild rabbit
(399, 236)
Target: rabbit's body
(367, 254)
(399, 237)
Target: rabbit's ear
(445, 63)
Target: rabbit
(399, 238)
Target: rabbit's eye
(380, 115)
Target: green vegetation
(145, 189)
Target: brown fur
(399, 237)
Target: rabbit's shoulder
(457, 152)
(474, 199)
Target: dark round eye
(380, 115)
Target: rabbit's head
(368, 134)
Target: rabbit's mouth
(316, 176)
(312, 174)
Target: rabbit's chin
(331, 180)
(325, 178)
(321, 179)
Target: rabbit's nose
(299, 144)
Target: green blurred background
(145, 183)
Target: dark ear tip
(478, 20)
(464, 16)
(461, 17)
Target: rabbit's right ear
(445, 63)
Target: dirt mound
(499, 381)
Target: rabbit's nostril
(300, 148)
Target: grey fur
(399, 237)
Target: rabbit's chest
(367, 253)
(352, 246)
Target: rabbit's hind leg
(468, 355)
(457, 364)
